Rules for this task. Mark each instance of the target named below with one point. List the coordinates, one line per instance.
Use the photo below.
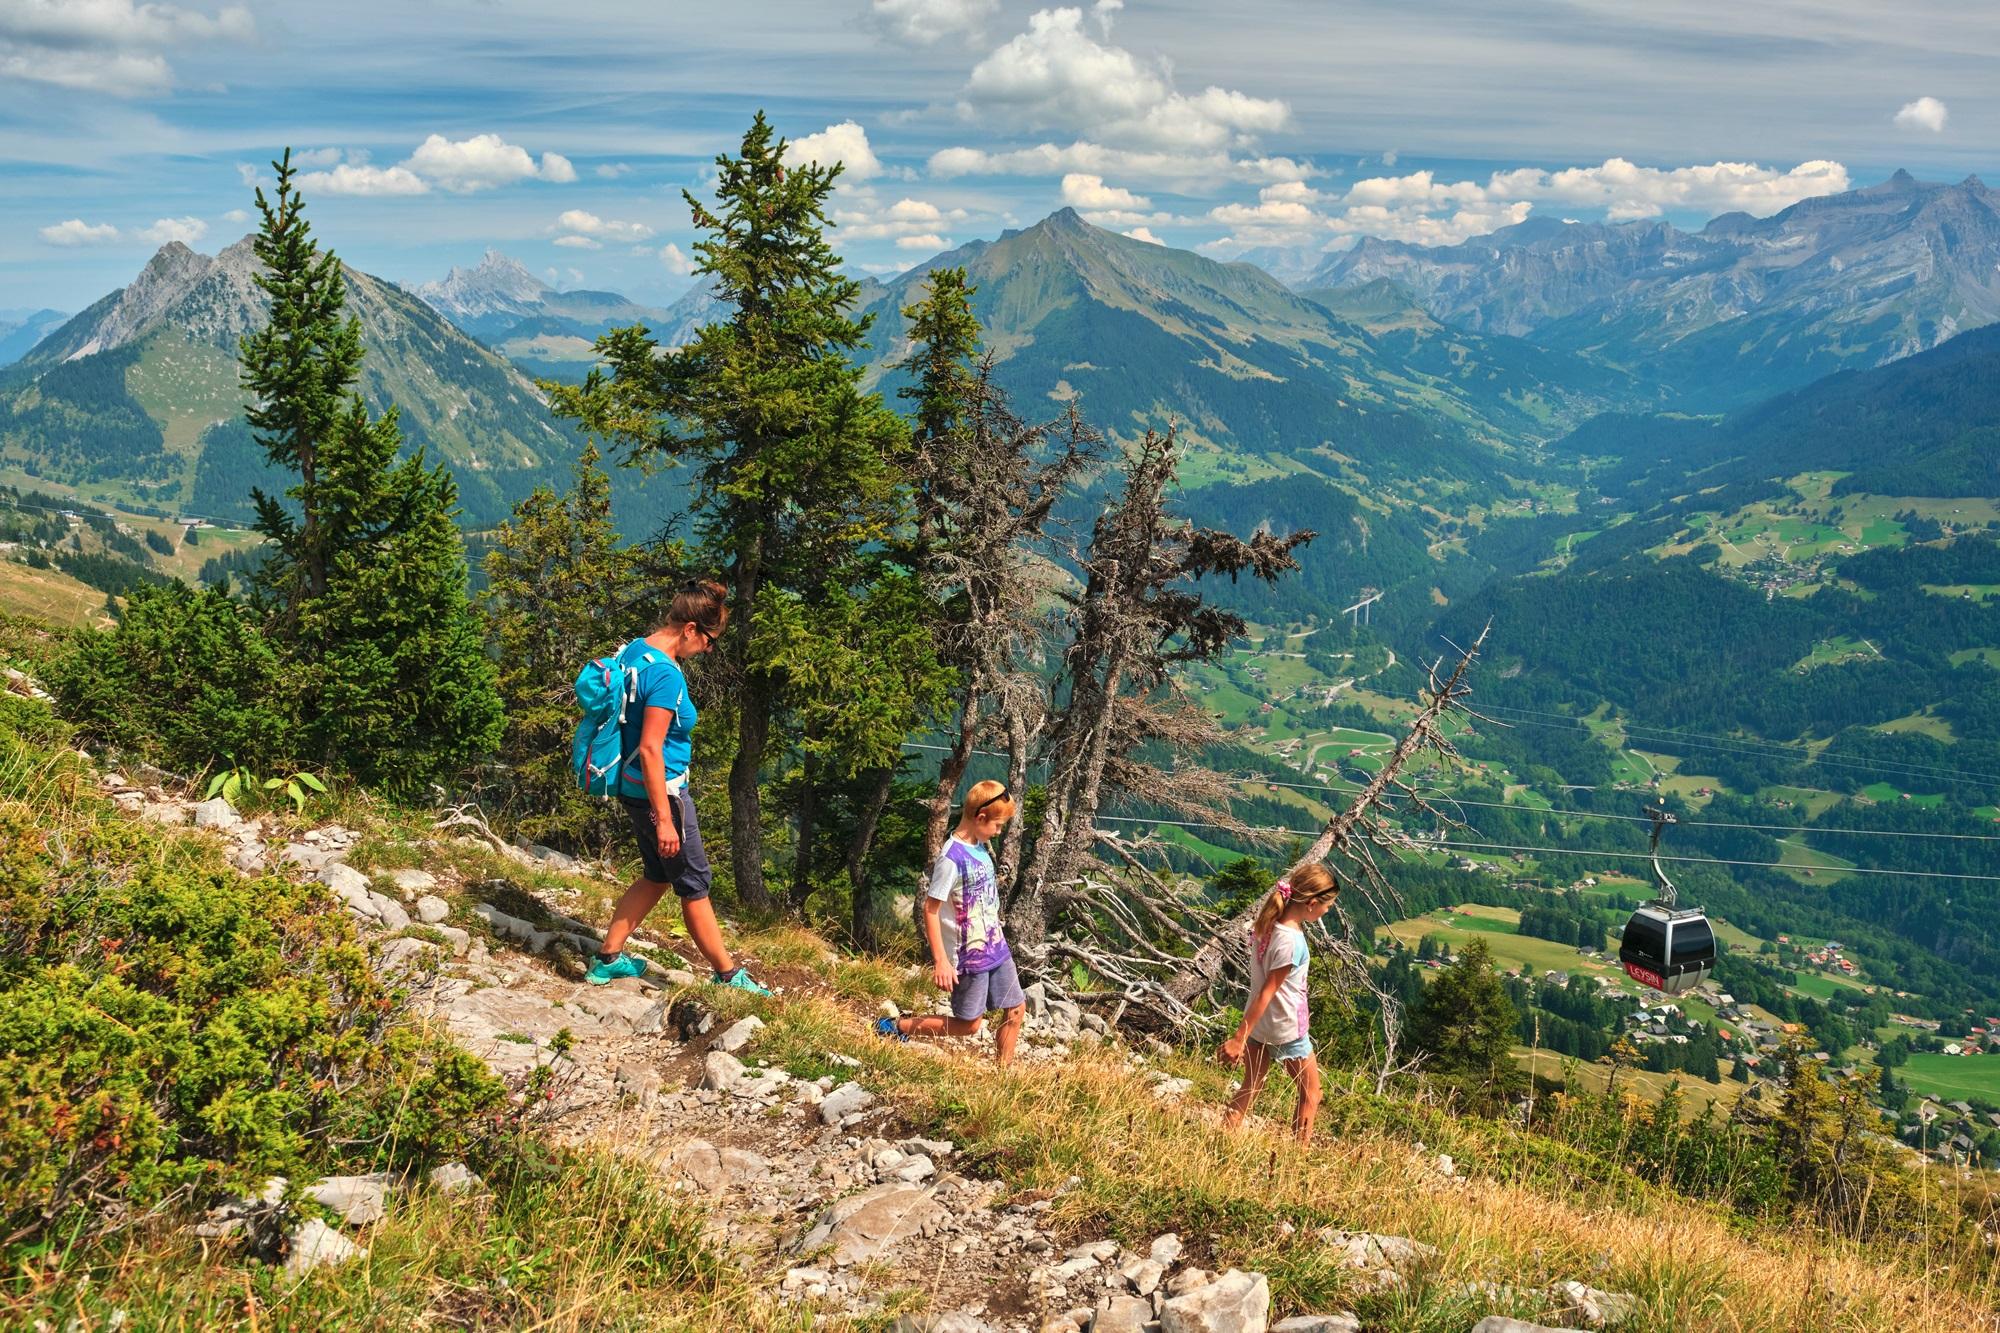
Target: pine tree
(791, 458)
(561, 589)
(365, 586)
(1466, 1026)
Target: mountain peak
(1064, 219)
(498, 284)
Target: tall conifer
(791, 458)
(365, 586)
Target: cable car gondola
(1670, 949)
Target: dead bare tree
(1137, 617)
(1359, 835)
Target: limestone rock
(863, 1225)
(216, 813)
(738, 1034)
(355, 1200)
(313, 1243)
(742, 1166)
(721, 1072)
(388, 911)
(698, 1163)
(638, 1081)
(1318, 1323)
(1236, 1302)
(845, 1100)
(955, 1321)
(403, 956)
(432, 909)
(1166, 1250)
(454, 1177)
(458, 941)
(410, 882)
(1119, 1313)
(1500, 1323)
(1143, 1275)
(1362, 1249)
(1594, 1308)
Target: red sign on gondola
(1645, 976)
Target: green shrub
(170, 1029)
(183, 680)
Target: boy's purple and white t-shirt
(1285, 1021)
(962, 879)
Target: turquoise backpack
(606, 690)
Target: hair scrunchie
(1285, 890)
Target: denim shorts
(1291, 1050)
(995, 988)
(688, 873)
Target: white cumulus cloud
(865, 218)
(185, 230)
(578, 243)
(481, 163)
(1083, 190)
(1057, 74)
(112, 47)
(364, 181)
(1145, 234)
(77, 232)
(580, 223)
(926, 242)
(927, 22)
(845, 143)
(676, 261)
(1926, 113)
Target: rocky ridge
(808, 1183)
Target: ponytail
(701, 603)
(1306, 884)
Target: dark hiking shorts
(687, 874)
(996, 988)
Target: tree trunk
(808, 836)
(868, 819)
(746, 818)
(950, 770)
(1018, 744)
(1205, 968)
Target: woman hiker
(663, 820)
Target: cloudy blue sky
(564, 133)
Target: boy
(969, 954)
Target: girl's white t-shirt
(1284, 1020)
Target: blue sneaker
(888, 1027)
(603, 973)
(740, 979)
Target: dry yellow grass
(1254, 1199)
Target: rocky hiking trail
(816, 1188)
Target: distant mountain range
(137, 397)
(1726, 316)
(1263, 381)
(545, 331)
(1927, 425)
(20, 330)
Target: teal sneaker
(603, 973)
(740, 979)
(889, 1027)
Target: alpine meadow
(924, 666)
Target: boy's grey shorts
(995, 988)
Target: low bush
(170, 1030)
(184, 679)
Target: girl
(969, 953)
(1274, 1021)
(663, 819)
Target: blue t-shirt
(661, 685)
